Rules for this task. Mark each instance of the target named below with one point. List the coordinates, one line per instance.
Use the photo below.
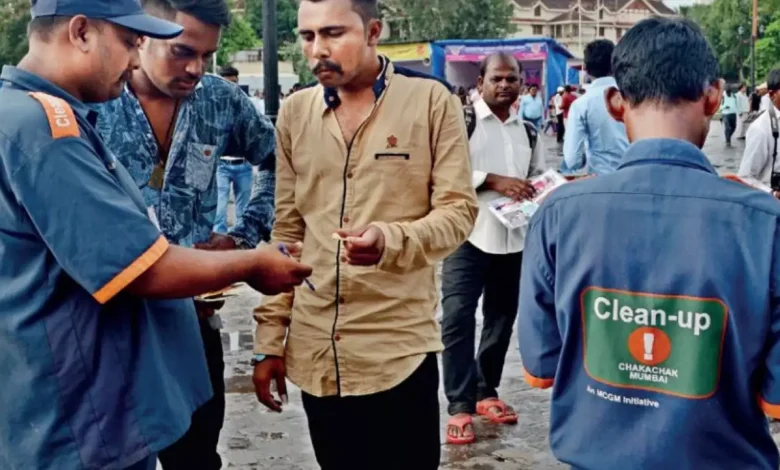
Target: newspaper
(517, 214)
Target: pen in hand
(285, 252)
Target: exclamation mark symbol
(648, 339)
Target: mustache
(327, 65)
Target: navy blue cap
(126, 13)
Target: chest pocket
(201, 162)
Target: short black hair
(598, 58)
(228, 71)
(367, 9)
(213, 12)
(41, 27)
(773, 80)
(506, 57)
(664, 60)
(533, 85)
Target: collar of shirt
(29, 81)
(332, 100)
(603, 82)
(483, 112)
(668, 151)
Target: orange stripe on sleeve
(132, 272)
(537, 382)
(769, 409)
(60, 115)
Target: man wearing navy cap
(171, 128)
(100, 369)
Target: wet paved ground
(254, 439)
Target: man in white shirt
(259, 101)
(557, 101)
(760, 158)
(503, 157)
(743, 108)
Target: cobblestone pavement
(254, 439)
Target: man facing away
(102, 362)
(170, 127)
(532, 107)
(376, 156)
(760, 158)
(503, 157)
(594, 142)
(232, 172)
(641, 320)
(557, 103)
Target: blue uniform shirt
(216, 119)
(650, 301)
(592, 134)
(92, 377)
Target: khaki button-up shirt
(407, 171)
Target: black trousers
(198, 448)
(561, 128)
(468, 274)
(730, 124)
(397, 429)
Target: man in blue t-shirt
(650, 297)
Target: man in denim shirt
(591, 132)
(650, 297)
(169, 128)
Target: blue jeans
(240, 177)
(536, 122)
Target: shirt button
(349, 175)
(346, 220)
(343, 259)
(342, 300)
(337, 338)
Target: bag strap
(775, 133)
(470, 116)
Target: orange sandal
(497, 411)
(461, 424)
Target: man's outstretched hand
(275, 273)
(271, 369)
(363, 247)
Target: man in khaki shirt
(377, 156)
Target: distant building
(250, 70)
(576, 23)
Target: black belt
(240, 161)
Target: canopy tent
(412, 55)
(544, 60)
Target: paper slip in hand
(338, 237)
(220, 294)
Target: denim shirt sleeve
(537, 325)
(253, 138)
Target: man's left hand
(363, 247)
(217, 242)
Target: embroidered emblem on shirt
(392, 142)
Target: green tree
(14, 16)
(239, 36)
(768, 49)
(286, 19)
(293, 53)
